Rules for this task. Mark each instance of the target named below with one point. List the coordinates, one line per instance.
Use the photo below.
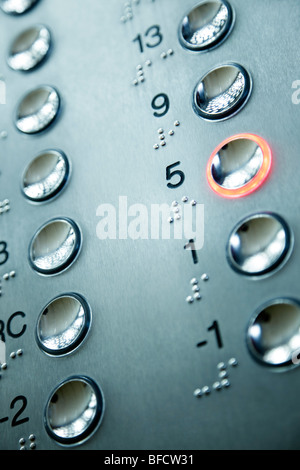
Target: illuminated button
(206, 25)
(55, 246)
(46, 176)
(74, 411)
(273, 334)
(17, 7)
(63, 324)
(37, 110)
(222, 92)
(239, 165)
(30, 48)
(259, 244)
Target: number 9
(160, 102)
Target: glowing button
(239, 165)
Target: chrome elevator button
(46, 176)
(30, 48)
(239, 165)
(55, 246)
(222, 92)
(37, 110)
(63, 324)
(17, 7)
(273, 334)
(206, 25)
(259, 244)
(74, 411)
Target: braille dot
(194, 281)
(176, 123)
(185, 199)
(163, 143)
(221, 366)
(160, 131)
(170, 220)
(198, 393)
(204, 277)
(206, 390)
(163, 55)
(156, 146)
(171, 132)
(225, 383)
(148, 63)
(190, 299)
(217, 386)
(223, 374)
(170, 52)
(13, 355)
(197, 296)
(233, 362)
(193, 202)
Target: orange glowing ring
(255, 182)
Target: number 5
(170, 174)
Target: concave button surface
(55, 246)
(30, 48)
(273, 334)
(37, 110)
(206, 25)
(46, 176)
(222, 92)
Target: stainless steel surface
(148, 349)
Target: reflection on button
(239, 165)
(222, 92)
(29, 49)
(63, 324)
(74, 411)
(55, 246)
(259, 244)
(37, 110)
(46, 176)
(17, 7)
(273, 334)
(206, 25)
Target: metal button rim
(280, 262)
(72, 258)
(239, 104)
(285, 366)
(227, 31)
(96, 422)
(83, 333)
(62, 185)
